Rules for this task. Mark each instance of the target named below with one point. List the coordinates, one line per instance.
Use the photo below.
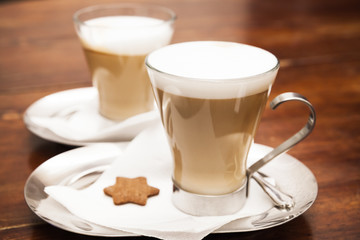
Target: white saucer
(71, 117)
(290, 174)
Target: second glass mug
(116, 39)
(211, 96)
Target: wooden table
(318, 43)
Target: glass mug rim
(236, 80)
(117, 6)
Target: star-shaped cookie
(131, 190)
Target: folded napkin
(147, 155)
(81, 122)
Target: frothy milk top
(211, 69)
(129, 35)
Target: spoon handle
(281, 200)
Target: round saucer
(291, 176)
(71, 117)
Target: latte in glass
(211, 96)
(115, 42)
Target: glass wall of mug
(116, 39)
(211, 96)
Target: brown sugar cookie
(131, 190)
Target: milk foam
(209, 69)
(127, 35)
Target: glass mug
(211, 96)
(116, 39)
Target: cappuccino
(211, 96)
(115, 48)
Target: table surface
(317, 42)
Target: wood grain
(317, 42)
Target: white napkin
(147, 155)
(81, 122)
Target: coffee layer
(210, 139)
(123, 84)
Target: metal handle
(296, 138)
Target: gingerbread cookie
(131, 190)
